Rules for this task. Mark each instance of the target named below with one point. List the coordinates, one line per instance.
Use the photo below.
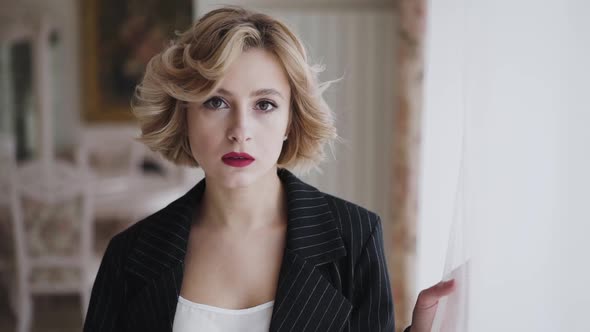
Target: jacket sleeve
(108, 291)
(373, 298)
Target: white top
(191, 316)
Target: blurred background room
(464, 126)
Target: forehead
(255, 70)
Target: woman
(251, 247)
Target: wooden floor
(51, 314)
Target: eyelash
(208, 105)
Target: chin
(236, 178)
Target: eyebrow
(257, 93)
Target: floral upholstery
(53, 229)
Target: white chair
(123, 189)
(154, 190)
(11, 237)
(52, 234)
(115, 158)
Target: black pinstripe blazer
(333, 276)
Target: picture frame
(118, 38)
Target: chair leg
(85, 299)
(21, 304)
(25, 312)
(13, 300)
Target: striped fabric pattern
(333, 276)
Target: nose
(239, 138)
(239, 130)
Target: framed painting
(119, 37)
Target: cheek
(270, 144)
(272, 139)
(201, 138)
(199, 142)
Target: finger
(432, 295)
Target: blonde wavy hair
(190, 68)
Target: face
(248, 113)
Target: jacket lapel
(157, 264)
(305, 298)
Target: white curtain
(507, 97)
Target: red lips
(237, 159)
(237, 155)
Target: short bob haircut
(190, 68)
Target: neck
(259, 205)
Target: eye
(215, 103)
(266, 106)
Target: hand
(427, 303)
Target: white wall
(520, 69)
(64, 15)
